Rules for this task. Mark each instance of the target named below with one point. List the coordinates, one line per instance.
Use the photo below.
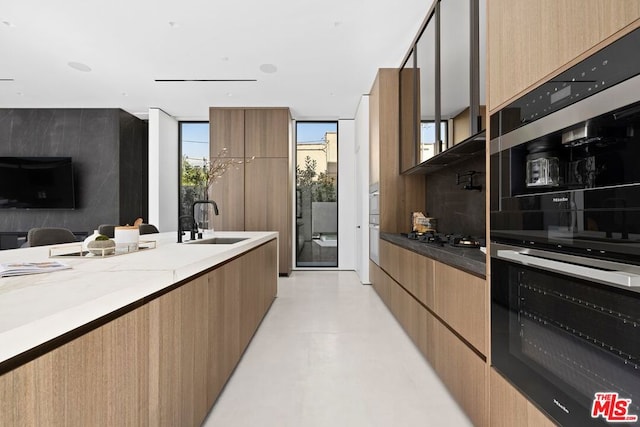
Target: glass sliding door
(317, 194)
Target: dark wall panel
(458, 210)
(134, 177)
(93, 138)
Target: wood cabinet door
(98, 379)
(267, 132)
(179, 348)
(530, 40)
(463, 372)
(460, 299)
(510, 408)
(226, 130)
(228, 193)
(267, 202)
(223, 326)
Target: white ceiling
(326, 52)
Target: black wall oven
(565, 240)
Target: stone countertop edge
(38, 308)
(470, 260)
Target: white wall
(362, 189)
(163, 170)
(346, 195)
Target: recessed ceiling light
(19, 93)
(125, 94)
(229, 94)
(79, 66)
(9, 24)
(174, 24)
(224, 58)
(268, 68)
(337, 23)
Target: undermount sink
(218, 241)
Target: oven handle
(619, 279)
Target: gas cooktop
(441, 239)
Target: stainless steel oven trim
(616, 274)
(617, 96)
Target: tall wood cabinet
(399, 194)
(255, 196)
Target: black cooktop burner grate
(440, 239)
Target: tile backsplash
(456, 209)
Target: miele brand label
(560, 199)
(612, 408)
(561, 406)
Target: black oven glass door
(561, 340)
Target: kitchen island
(147, 338)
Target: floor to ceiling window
(194, 155)
(317, 194)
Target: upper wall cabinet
(531, 41)
(455, 70)
(408, 110)
(427, 92)
(447, 65)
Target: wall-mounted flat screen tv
(36, 183)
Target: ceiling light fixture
(79, 66)
(9, 24)
(174, 24)
(268, 68)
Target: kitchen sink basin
(218, 241)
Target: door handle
(621, 279)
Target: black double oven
(565, 240)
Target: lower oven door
(566, 332)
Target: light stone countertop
(35, 309)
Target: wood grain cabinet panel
(562, 30)
(255, 196)
(460, 299)
(267, 132)
(510, 408)
(226, 130)
(179, 319)
(462, 371)
(99, 379)
(399, 194)
(413, 271)
(267, 202)
(223, 326)
(230, 200)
